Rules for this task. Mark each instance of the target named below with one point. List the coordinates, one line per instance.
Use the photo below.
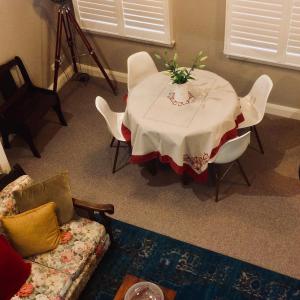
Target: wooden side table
(130, 280)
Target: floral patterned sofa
(63, 272)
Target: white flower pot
(181, 92)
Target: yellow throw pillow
(34, 231)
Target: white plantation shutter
(265, 30)
(293, 42)
(140, 19)
(147, 19)
(254, 28)
(98, 15)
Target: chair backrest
(233, 149)
(8, 84)
(260, 93)
(111, 118)
(139, 66)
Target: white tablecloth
(185, 136)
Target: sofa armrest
(16, 172)
(93, 207)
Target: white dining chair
(114, 123)
(230, 153)
(139, 66)
(253, 105)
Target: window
(140, 19)
(265, 30)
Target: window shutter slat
(264, 30)
(253, 28)
(140, 19)
(147, 19)
(98, 15)
(293, 42)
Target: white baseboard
(63, 78)
(283, 111)
(114, 75)
(91, 70)
(273, 109)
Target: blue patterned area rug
(195, 273)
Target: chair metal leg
(218, 181)
(258, 139)
(116, 157)
(211, 174)
(112, 141)
(60, 115)
(219, 177)
(243, 172)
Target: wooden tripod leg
(57, 48)
(69, 37)
(90, 49)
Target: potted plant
(180, 76)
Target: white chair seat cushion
(43, 284)
(79, 240)
(249, 111)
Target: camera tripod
(64, 21)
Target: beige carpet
(260, 224)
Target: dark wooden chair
(23, 106)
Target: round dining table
(186, 135)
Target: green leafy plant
(181, 75)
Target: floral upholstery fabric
(58, 274)
(63, 272)
(44, 284)
(79, 240)
(80, 282)
(7, 201)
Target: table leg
(151, 167)
(185, 179)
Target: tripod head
(60, 2)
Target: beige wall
(199, 24)
(27, 29)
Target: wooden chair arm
(94, 207)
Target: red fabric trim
(14, 271)
(226, 137)
(125, 97)
(126, 133)
(138, 159)
(239, 119)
